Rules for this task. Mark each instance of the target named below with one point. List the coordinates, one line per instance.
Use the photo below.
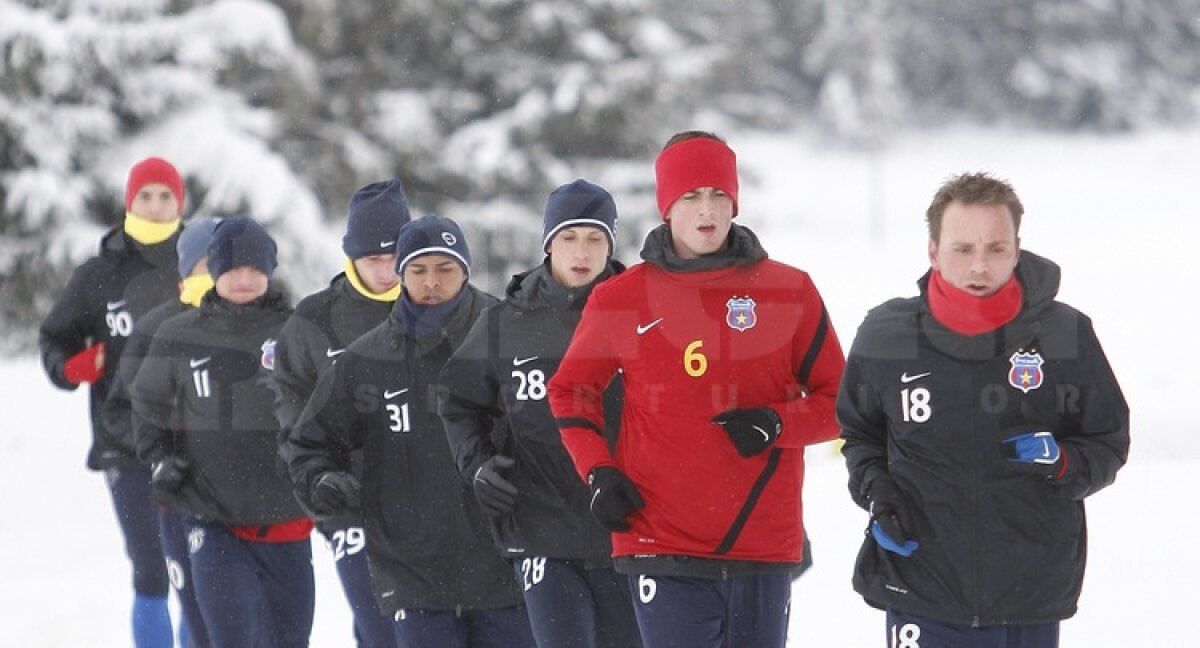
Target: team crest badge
(195, 540)
(1026, 373)
(741, 315)
(268, 354)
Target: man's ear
(933, 249)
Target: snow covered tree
(91, 86)
(481, 108)
(860, 69)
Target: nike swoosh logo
(517, 362)
(115, 305)
(766, 437)
(905, 378)
(333, 353)
(386, 244)
(642, 328)
(387, 395)
(196, 363)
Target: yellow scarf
(390, 296)
(148, 232)
(195, 288)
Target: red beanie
(699, 162)
(150, 171)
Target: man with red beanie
(83, 337)
(730, 368)
(977, 417)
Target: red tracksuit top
(689, 346)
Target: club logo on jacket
(268, 354)
(195, 540)
(741, 315)
(1026, 372)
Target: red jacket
(688, 349)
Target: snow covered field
(1117, 213)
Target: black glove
(614, 497)
(333, 492)
(1035, 452)
(889, 510)
(168, 473)
(496, 495)
(751, 430)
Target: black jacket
(315, 336)
(427, 541)
(102, 302)
(324, 324)
(929, 408)
(206, 377)
(500, 373)
(117, 411)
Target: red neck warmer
(967, 314)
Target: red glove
(86, 366)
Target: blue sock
(151, 622)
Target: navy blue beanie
(580, 203)
(240, 241)
(432, 234)
(376, 214)
(193, 243)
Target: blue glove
(1034, 447)
(1036, 452)
(886, 541)
(890, 517)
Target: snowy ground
(1117, 213)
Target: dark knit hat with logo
(150, 171)
(432, 234)
(576, 204)
(239, 241)
(193, 243)
(376, 214)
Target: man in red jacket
(730, 368)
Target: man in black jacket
(201, 419)
(977, 417)
(85, 334)
(195, 282)
(527, 483)
(315, 336)
(433, 565)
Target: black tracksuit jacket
(324, 324)
(929, 409)
(500, 373)
(117, 410)
(206, 376)
(428, 543)
(315, 336)
(102, 302)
